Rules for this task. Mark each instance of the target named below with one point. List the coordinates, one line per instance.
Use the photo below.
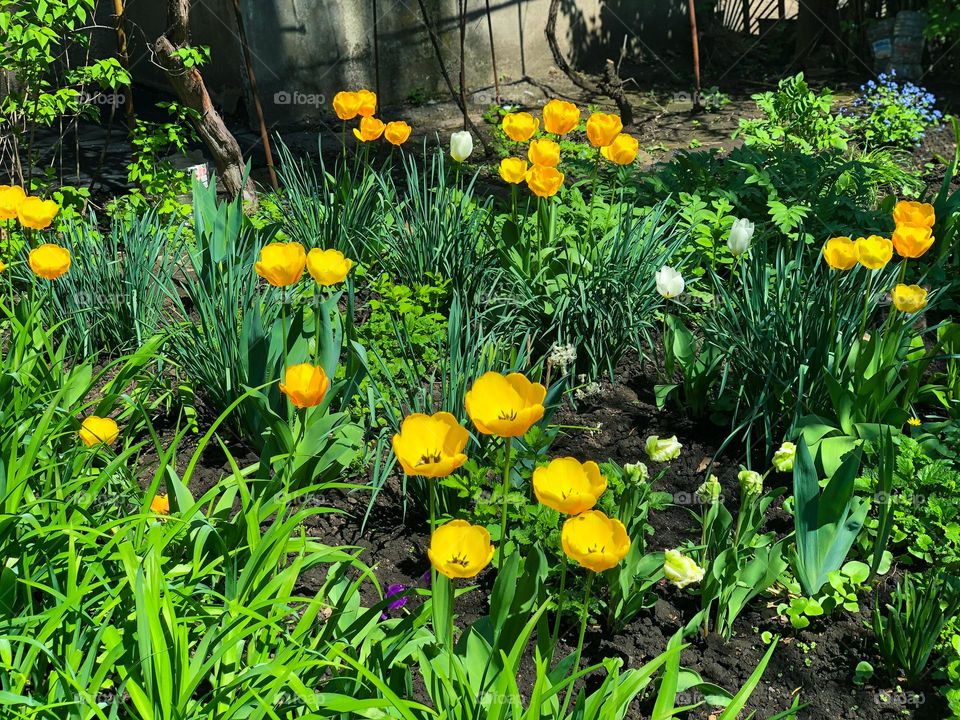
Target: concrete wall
(306, 50)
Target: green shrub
(796, 117)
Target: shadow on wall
(306, 50)
(298, 52)
(639, 30)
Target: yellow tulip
(368, 102)
(622, 151)
(281, 264)
(568, 486)
(370, 129)
(3, 266)
(840, 253)
(912, 241)
(430, 445)
(49, 261)
(520, 127)
(160, 505)
(909, 298)
(560, 117)
(544, 181)
(914, 213)
(874, 252)
(305, 385)
(544, 152)
(328, 267)
(505, 406)
(10, 198)
(346, 105)
(459, 549)
(595, 541)
(513, 170)
(396, 132)
(37, 213)
(602, 129)
(95, 430)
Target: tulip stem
(866, 306)
(507, 452)
(562, 601)
(283, 329)
(316, 322)
(593, 190)
(453, 595)
(432, 492)
(579, 652)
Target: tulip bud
(636, 473)
(751, 482)
(784, 457)
(741, 234)
(461, 145)
(680, 569)
(670, 283)
(663, 450)
(709, 492)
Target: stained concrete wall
(306, 50)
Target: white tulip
(461, 145)
(741, 234)
(663, 450)
(680, 569)
(670, 283)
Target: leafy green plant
(120, 289)
(341, 208)
(890, 113)
(796, 116)
(700, 366)
(630, 497)
(404, 324)
(908, 629)
(924, 520)
(596, 293)
(826, 523)
(157, 182)
(740, 560)
(45, 53)
(774, 325)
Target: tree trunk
(611, 84)
(189, 86)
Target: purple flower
(393, 590)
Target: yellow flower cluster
(543, 154)
(32, 212)
(48, 260)
(282, 265)
(508, 406)
(348, 105)
(595, 541)
(912, 238)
